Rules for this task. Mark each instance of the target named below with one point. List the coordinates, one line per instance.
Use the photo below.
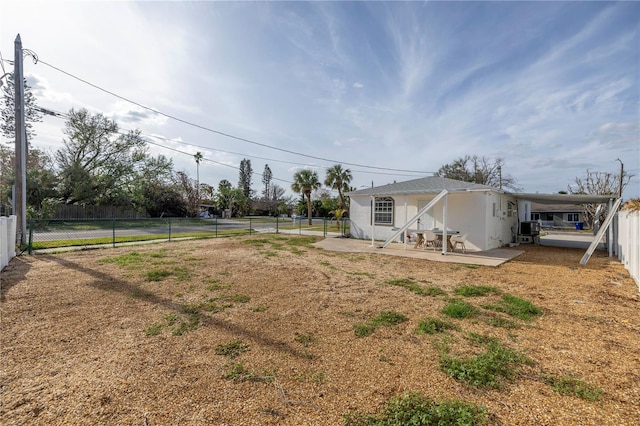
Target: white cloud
(126, 113)
(358, 85)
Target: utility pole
(621, 177)
(20, 202)
(500, 176)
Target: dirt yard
(261, 330)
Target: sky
(392, 90)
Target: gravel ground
(137, 335)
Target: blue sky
(550, 87)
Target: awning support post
(444, 226)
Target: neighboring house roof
(432, 184)
(556, 208)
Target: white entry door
(427, 221)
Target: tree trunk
(309, 212)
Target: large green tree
(339, 179)
(32, 113)
(231, 199)
(306, 181)
(245, 175)
(480, 170)
(98, 165)
(41, 178)
(190, 193)
(267, 175)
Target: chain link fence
(57, 233)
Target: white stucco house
(487, 215)
(490, 217)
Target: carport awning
(565, 198)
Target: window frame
(383, 207)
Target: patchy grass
(181, 273)
(487, 370)
(363, 330)
(362, 274)
(259, 308)
(465, 266)
(475, 290)
(239, 298)
(412, 285)
(157, 274)
(211, 305)
(317, 377)
(300, 242)
(417, 409)
(232, 349)
(432, 325)
(257, 242)
(516, 307)
(189, 324)
(129, 261)
(409, 284)
(501, 322)
(569, 385)
(154, 329)
(305, 339)
(216, 287)
(385, 318)
(458, 308)
(434, 291)
(239, 373)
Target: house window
(573, 217)
(383, 213)
(548, 217)
(511, 208)
(535, 216)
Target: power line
(58, 114)
(228, 135)
(125, 132)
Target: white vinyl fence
(8, 226)
(629, 242)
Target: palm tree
(339, 179)
(305, 181)
(198, 157)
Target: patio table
(439, 234)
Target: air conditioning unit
(529, 228)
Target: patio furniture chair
(458, 239)
(430, 240)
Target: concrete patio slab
(493, 257)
